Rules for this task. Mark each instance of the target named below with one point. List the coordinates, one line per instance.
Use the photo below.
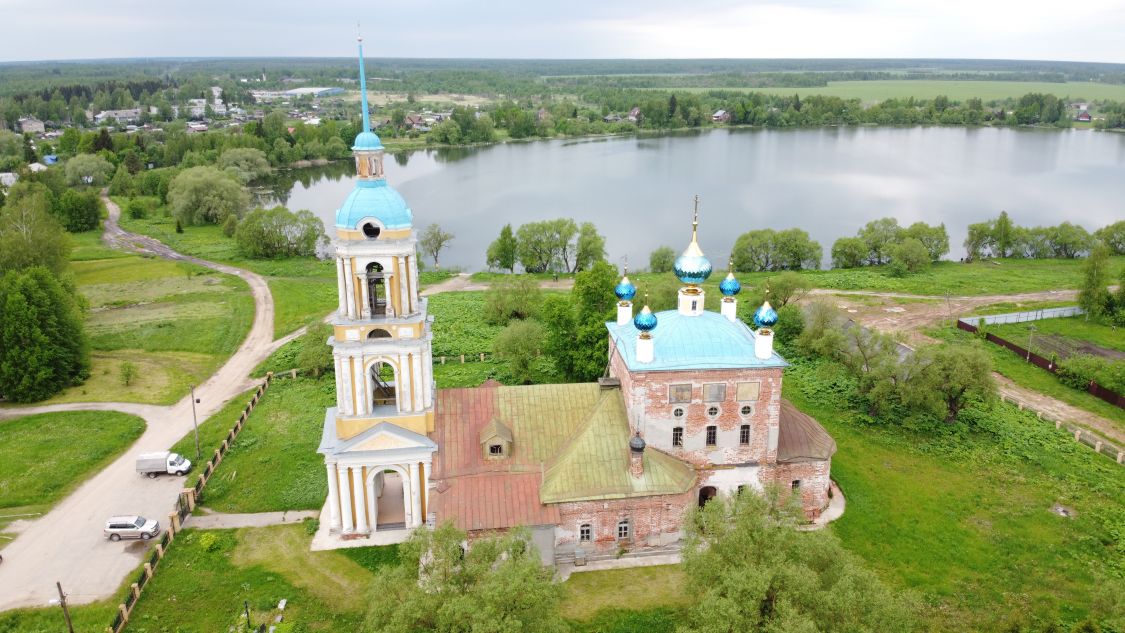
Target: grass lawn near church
(212, 432)
(45, 457)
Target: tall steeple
(363, 87)
(692, 268)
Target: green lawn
(1062, 335)
(963, 515)
(212, 432)
(208, 576)
(303, 288)
(459, 326)
(594, 600)
(273, 465)
(45, 457)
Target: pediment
(386, 436)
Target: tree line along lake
(827, 181)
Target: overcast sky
(1089, 30)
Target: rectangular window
(714, 392)
(748, 391)
(796, 484)
(677, 436)
(712, 431)
(584, 533)
(744, 435)
(623, 529)
(679, 393)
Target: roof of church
(802, 438)
(374, 199)
(570, 442)
(705, 341)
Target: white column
(333, 497)
(624, 312)
(364, 290)
(349, 288)
(360, 505)
(417, 369)
(373, 498)
(415, 498)
(345, 501)
(339, 384)
(344, 397)
(729, 308)
(402, 384)
(361, 406)
(429, 464)
(341, 291)
(428, 377)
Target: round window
(370, 230)
(678, 412)
(746, 409)
(712, 411)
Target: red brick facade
(653, 522)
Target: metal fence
(1024, 317)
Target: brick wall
(814, 478)
(654, 522)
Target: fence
(185, 503)
(1024, 317)
(464, 358)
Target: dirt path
(463, 282)
(66, 544)
(909, 319)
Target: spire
(693, 248)
(363, 84)
(692, 267)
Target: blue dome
(692, 269)
(367, 141)
(625, 289)
(729, 286)
(645, 321)
(765, 316)
(374, 199)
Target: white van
(163, 462)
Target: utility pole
(195, 423)
(1030, 333)
(66, 611)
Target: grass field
(44, 457)
(879, 90)
(1066, 337)
(303, 288)
(176, 322)
(212, 432)
(273, 465)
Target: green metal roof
(595, 463)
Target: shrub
(520, 344)
(230, 226)
(1077, 372)
(137, 209)
(205, 195)
(908, 256)
(277, 232)
(848, 252)
(515, 297)
(128, 372)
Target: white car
(132, 526)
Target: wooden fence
(185, 503)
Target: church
(690, 408)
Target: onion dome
(367, 141)
(765, 316)
(645, 320)
(692, 267)
(637, 443)
(729, 286)
(625, 290)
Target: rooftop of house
(705, 341)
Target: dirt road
(67, 544)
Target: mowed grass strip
(208, 575)
(964, 517)
(44, 457)
(273, 465)
(1074, 332)
(621, 599)
(162, 377)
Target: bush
(848, 252)
(520, 344)
(277, 232)
(205, 195)
(908, 257)
(137, 209)
(1077, 372)
(79, 210)
(230, 226)
(514, 297)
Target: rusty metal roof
(802, 438)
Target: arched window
(371, 231)
(378, 333)
(376, 289)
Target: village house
(720, 116)
(31, 125)
(690, 408)
(634, 115)
(129, 115)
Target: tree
(128, 372)
(848, 252)
(907, 257)
(246, 164)
(30, 236)
(1002, 235)
(433, 240)
(205, 195)
(590, 247)
(277, 232)
(557, 312)
(546, 246)
(88, 169)
(878, 235)
(122, 182)
(498, 584)
(978, 239)
(43, 347)
(661, 260)
(315, 356)
(502, 252)
(934, 238)
(786, 287)
(795, 250)
(520, 344)
(79, 210)
(576, 336)
(749, 569)
(1093, 296)
(515, 297)
(945, 378)
(754, 251)
(766, 249)
(1114, 236)
(1068, 240)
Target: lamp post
(1030, 333)
(195, 423)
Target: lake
(827, 181)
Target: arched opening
(376, 289)
(378, 333)
(371, 231)
(382, 384)
(389, 491)
(706, 493)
